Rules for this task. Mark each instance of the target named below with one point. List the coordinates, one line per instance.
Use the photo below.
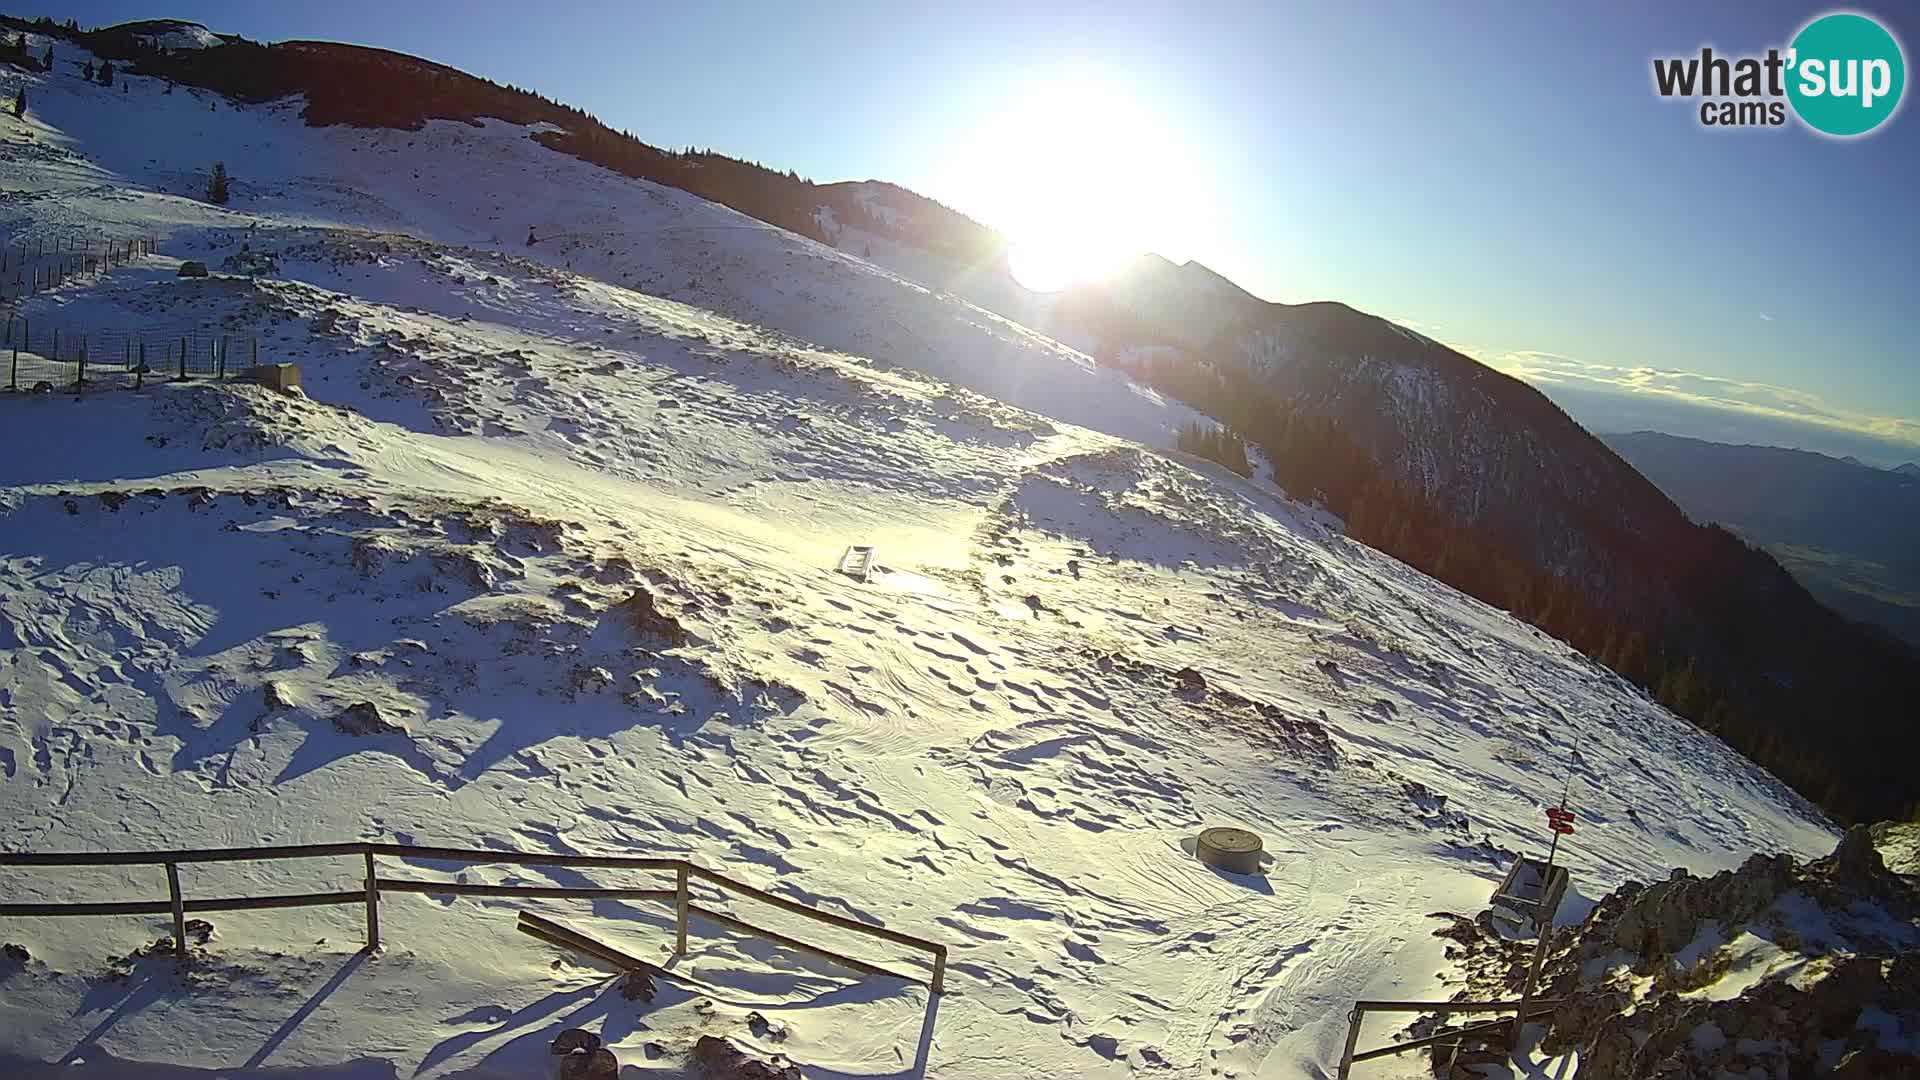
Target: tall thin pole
(1542, 921)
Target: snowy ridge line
(683, 869)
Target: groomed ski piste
(1074, 650)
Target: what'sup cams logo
(1842, 76)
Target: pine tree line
(1215, 443)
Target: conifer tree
(217, 184)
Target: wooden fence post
(373, 905)
(680, 906)
(183, 358)
(220, 346)
(940, 970)
(179, 914)
(1353, 1041)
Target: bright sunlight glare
(1075, 170)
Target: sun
(1073, 168)
(1062, 258)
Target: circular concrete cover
(1231, 849)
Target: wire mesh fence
(30, 265)
(40, 359)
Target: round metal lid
(1227, 838)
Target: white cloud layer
(1551, 371)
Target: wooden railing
(372, 885)
(1349, 1058)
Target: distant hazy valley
(1845, 529)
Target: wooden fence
(1524, 1010)
(368, 892)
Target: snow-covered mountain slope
(1076, 652)
(92, 144)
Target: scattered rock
(765, 1028)
(589, 680)
(191, 268)
(1191, 681)
(1856, 857)
(369, 555)
(573, 1040)
(637, 985)
(363, 718)
(15, 954)
(719, 1059)
(598, 1063)
(250, 263)
(643, 613)
(199, 931)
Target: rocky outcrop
(1634, 980)
(363, 718)
(642, 612)
(1776, 1028)
(581, 1057)
(720, 1059)
(637, 985)
(1662, 919)
(1899, 845)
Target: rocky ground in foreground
(1773, 969)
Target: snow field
(1076, 651)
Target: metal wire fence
(29, 266)
(40, 358)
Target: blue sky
(1500, 176)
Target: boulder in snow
(363, 718)
(637, 985)
(643, 612)
(574, 1040)
(190, 268)
(719, 1059)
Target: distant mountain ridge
(1480, 480)
(1849, 530)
